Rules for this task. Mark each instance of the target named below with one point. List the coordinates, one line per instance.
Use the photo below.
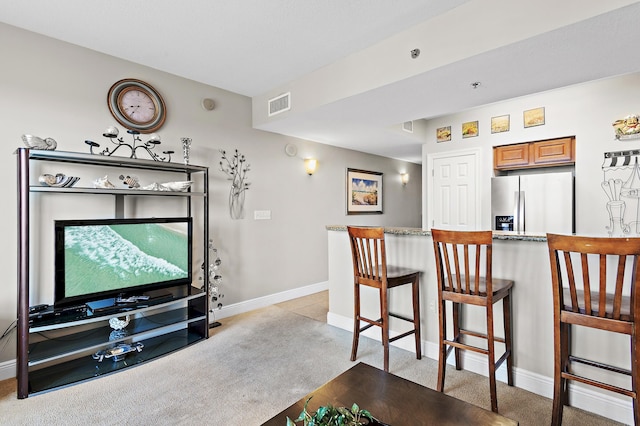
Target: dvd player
(50, 314)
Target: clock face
(136, 105)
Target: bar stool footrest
(599, 365)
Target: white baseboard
(8, 369)
(609, 406)
(262, 302)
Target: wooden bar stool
(459, 263)
(594, 285)
(370, 269)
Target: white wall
(585, 110)
(53, 89)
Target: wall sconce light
(310, 165)
(404, 177)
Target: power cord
(6, 334)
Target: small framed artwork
(469, 129)
(364, 192)
(500, 124)
(534, 117)
(443, 134)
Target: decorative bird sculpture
(34, 142)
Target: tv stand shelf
(51, 345)
(86, 368)
(59, 351)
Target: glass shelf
(56, 347)
(103, 160)
(85, 368)
(100, 191)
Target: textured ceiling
(253, 46)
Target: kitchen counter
(497, 235)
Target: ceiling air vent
(280, 104)
(407, 126)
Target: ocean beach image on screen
(111, 257)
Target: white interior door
(453, 202)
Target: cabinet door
(509, 156)
(553, 151)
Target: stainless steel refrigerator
(533, 203)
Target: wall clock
(136, 105)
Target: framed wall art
(364, 192)
(534, 117)
(500, 124)
(469, 129)
(443, 134)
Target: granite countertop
(497, 235)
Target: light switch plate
(262, 214)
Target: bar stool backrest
(594, 280)
(369, 256)
(463, 261)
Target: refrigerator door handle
(516, 211)
(521, 216)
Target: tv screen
(99, 259)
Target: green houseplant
(328, 415)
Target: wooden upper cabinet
(547, 153)
(511, 156)
(553, 151)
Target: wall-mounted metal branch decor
(236, 169)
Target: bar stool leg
(385, 327)
(356, 321)
(381, 302)
(491, 346)
(506, 314)
(566, 364)
(416, 316)
(635, 370)
(442, 357)
(457, 337)
(559, 384)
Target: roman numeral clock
(136, 105)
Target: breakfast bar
(523, 258)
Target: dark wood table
(393, 400)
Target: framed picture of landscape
(500, 124)
(469, 129)
(443, 134)
(534, 117)
(364, 192)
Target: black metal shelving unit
(55, 353)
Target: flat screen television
(105, 258)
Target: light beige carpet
(253, 366)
